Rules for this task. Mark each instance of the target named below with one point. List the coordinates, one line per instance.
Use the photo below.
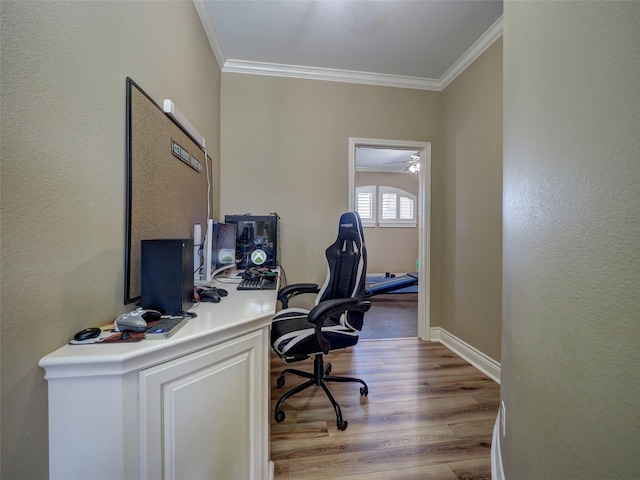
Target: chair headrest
(350, 226)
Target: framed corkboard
(167, 181)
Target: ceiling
(384, 159)
(422, 44)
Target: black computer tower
(167, 275)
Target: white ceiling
(421, 44)
(384, 159)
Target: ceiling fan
(412, 163)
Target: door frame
(424, 216)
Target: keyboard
(165, 328)
(257, 284)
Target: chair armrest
(287, 293)
(325, 309)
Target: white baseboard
(497, 472)
(475, 357)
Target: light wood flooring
(429, 415)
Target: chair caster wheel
(343, 425)
(280, 382)
(279, 416)
(364, 391)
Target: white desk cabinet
(194, 406)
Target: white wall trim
(475, 357)
(477, 49)
(497, 471)
(347, 76)
(424, 216)
(210, 31)
(330, 74)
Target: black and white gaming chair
(333, 323)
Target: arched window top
(397, 207)
(391, 207)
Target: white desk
(191, 406)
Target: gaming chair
(333, 323)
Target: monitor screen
(257, 240)
(223, 247)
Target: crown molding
(328, 74)
(335, 75)
(477, 49)
(210, 31)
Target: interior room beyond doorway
(387, 185)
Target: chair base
(318, 378)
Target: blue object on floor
(403, 284)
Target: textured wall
(472, 204)
(63, 74)
(571, 321)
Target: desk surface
(237, 313)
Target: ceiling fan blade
(401, 161)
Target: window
(389, 208)
(406, 209)
(365, 205)
(397, 208)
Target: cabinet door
(203, 415)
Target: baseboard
(475, 357)
(497, 471)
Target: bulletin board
(167, 187)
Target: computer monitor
(223, 247)
(256, 240)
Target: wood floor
(429, 415)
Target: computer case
(167, 275)
(256, 240)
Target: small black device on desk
(258, 279)
(209, 294)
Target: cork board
(167, 188)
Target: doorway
(423, 213)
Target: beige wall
(285, 149)
(391, 249)
(571, 328)
(472, 204)
(63, 71)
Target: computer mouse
(87, 333)
(209, 296)
(151, 315)
(270, 276)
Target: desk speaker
(167, 275)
